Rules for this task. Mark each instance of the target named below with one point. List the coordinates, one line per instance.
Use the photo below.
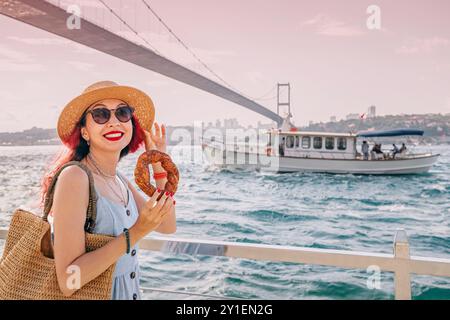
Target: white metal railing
(399, 262)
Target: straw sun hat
(72, 112)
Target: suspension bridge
(97, 32)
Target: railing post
(402, 275)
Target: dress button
(135, 296)
(132, 275)
(133, 252)
(128, 212)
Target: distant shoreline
(428, 143)
(436, 129)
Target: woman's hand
(157, 140)
(152, 214)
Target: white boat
(301, 151)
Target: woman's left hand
(157, 140)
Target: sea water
(346, 212)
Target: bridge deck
(48, 17)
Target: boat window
(317, 142)
(290, 142)
(297, 141)
(306, 142)
(342, 143)
(329, 143)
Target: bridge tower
(286, 125)
(286, 103)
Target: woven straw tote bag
(27, 266)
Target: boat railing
(399, 262)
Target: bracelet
(127, 238)
(160, 175)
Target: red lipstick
(113, 135)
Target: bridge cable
(178, 39)
(193, 54)
(129, 27)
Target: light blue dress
(112, 218)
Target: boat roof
(314, 133)
(391, 133)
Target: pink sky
(335, 64)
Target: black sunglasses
(102, 115)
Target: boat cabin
(304, 144)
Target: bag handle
(91, 214)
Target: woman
(101, 126)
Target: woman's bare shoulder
(71, 189)
(73, 175)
